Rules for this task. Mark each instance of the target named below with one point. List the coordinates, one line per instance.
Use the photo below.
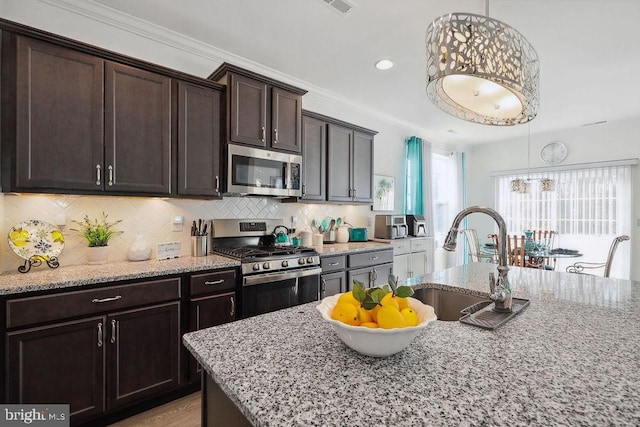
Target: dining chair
(476, 254)
(545, 237)
(579, 267)
(515, 250)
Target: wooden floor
(184, 412)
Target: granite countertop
(571, 358)
(350, 247)
(44, 278)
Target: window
(447, 187)
(588, 208)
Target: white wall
(609, 141)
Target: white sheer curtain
(588, 208)
(448, 199)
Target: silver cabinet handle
(97, 301)
(98, 175)
(113, 331)
(110, 174)
(263, 133)
(323, 288)
(373, 258)
(217, 184)
(304, 189)
(354, 193)
(275, 131)
(100, 334)
(215, 282)
(233, 307)
(333, 264)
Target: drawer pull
(215, 282)
(333, 264)
(373, 258)
(97, 174)
(113, 331)
(100, 334)
(110, 174)
(262, 138)
(97, 301)
(233, 307)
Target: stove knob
(266, 266)
(285, 263)
(310, 260)
(256, 267)
(301, 261)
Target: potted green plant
(97, 232)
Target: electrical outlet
(294, 220)
(369, 222)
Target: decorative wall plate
(36, 239)
(553, 152)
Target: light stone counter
(44, 278)
(350, 247)
(571, 358)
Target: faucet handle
(492, 283)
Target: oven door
(263, 293)
(270, 173)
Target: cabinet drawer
(206, 283)
(402, 246)
(25, 311)
(332, 263)
(420, 245)
(371, 258)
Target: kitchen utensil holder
(199, 245)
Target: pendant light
(520, 185)
(481, 70)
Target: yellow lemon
(364, 315)
(389, 318)
(374, 313)
(349, 298)
(345, 313)
(372, 325)
(410, 316)
(389, 301)
(402, 302)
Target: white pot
(97, 255)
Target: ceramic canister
(306, 237)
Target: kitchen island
(571, 358)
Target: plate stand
(36, 260)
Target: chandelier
(481, 70)
(520, 185)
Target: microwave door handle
(287, 179)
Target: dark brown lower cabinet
(96, 364)
(207, 312)
(59, 363)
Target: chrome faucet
(500, 290)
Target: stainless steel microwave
(263, 172)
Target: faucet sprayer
(500, 289)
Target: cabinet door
(418, 264)
(198, 140)
(59, 122)
(143, 351)
(286, 120)
(138, 130)
(60, 363)
(207, 312)
(362, 275)
(381, 274)
(362, 167)
(339, 162)
(401, 267)
(333, 283)
(248, 111)
(314, 159)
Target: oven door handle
(276, 276)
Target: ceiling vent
(341, 6)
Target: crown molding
(156, 33)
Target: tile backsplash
(153, 217)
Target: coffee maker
(417, 225)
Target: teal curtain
(414, 182)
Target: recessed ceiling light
(384, 64)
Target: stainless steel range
(274, 276)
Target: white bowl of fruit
(376, 322)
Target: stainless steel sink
(447, 304)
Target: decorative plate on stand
(36, 241)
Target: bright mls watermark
(34, 415)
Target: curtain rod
(575, 166)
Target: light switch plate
(168, 250)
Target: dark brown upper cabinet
(199, 134)
(261, 112)
(83, 123)
(337, 161)
(314, 159)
